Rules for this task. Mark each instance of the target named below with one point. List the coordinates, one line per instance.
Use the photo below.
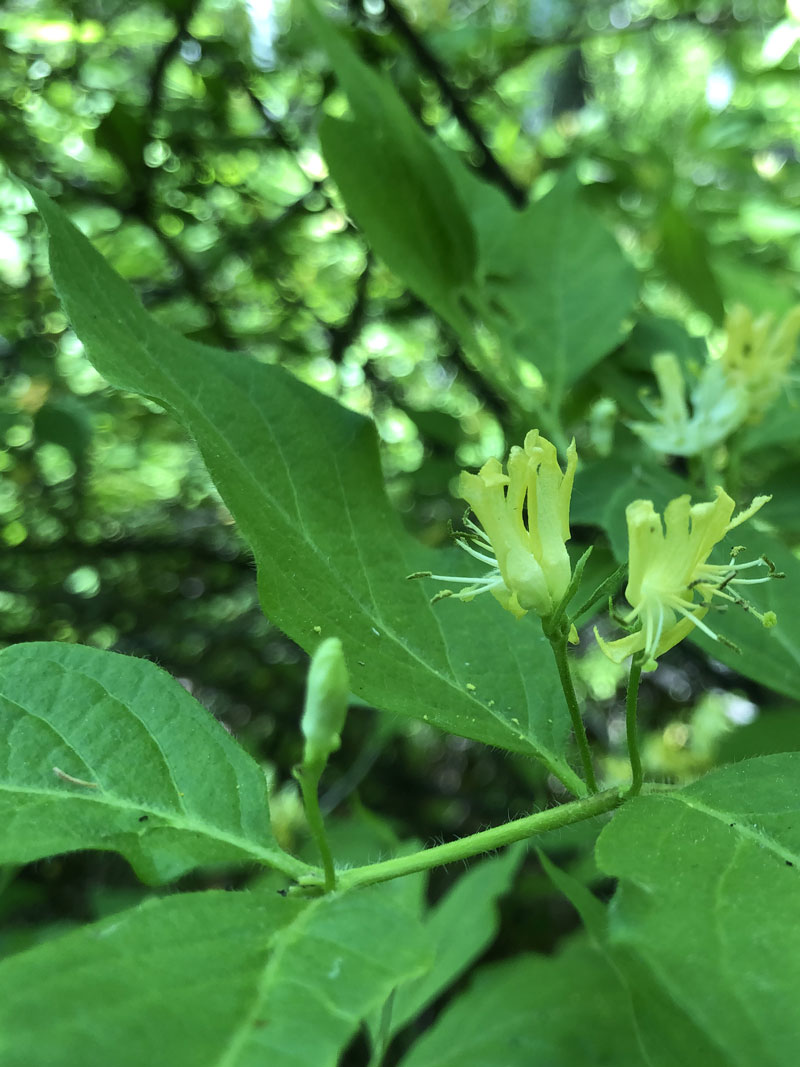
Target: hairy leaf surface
(160, 781)
(209, 980)
(709, 885)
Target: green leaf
(563, 1012)
(771, 657)
(555, 286)
(684, 258)
(709, 885)
(457, 929)
(668, 1036)
(302, 477)
(209, 980)
(394, 183)
(774, 730)
(780, 425)
(165, 785)
(65, 421)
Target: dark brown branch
(490, 167)
(165, 57)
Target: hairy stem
(309, 777)
(558, 643)
(485, 841)
(631, 728)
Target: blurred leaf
(653, 334)
(747, 282)
(554, 284)
(302, 477)
(209, 979)
(709, 876)
(122, 133)
(773, 731)
(684, 257)
(165, 784)
(562, 1011)
(65, 422)
(457, 930)
(394, 183)
(780, 425)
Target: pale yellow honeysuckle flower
(736, 388)
(524, 515)
(716, 410)
(758, 355)
(666, 569)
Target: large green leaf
(549, 282)
(166, 785)
(555, 287)
(708, 899)
(394, 182)
(209, 980)
(302, 477)
(668, 1035)
(569, 1011)
(457, 929)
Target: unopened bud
(325, 709)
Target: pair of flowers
(524, 517)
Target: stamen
(659, 628)
(478, 555)
(465, 594)
(492, 578)
(689, 614)
(754, 581)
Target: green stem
(309, 777)
(485, 841)
(631, 729)
(558, 643)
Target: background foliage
(185, 140)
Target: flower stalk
(632, 726)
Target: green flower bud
(325, 709)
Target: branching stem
(485, 841)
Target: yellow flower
(729, 391)
(525, 520)
(757, 356)
(717, 409)
(667, 569)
